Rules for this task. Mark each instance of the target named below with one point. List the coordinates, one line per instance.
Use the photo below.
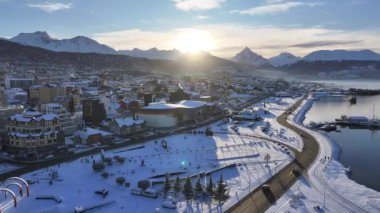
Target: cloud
(228, 39)
(202, 17)
(323, 43)
(50, 6)
(188, 5)
(312, 44)
(274, 7)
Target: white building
(165, 115)
(127, 126)
(67, 121)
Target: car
(267, 191)
(317, 208)
(169, 204)
(171, 198)
(296, 172)
(266, 188)
(150, 192)
(136, 191)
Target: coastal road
(313, 152)
(257, 201)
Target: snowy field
(328, 185)
(6, 167)
(275, 107)
(241, 151)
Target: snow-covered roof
(128, 121)
(28, 116)
(182, 104)
(86, 132)
(237, 95)
(25, 135)
(52, 105)
(192, 104)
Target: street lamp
(324, 188)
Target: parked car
(136, 191)
(169, 204)
(150, 192)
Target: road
(311, 161)
(282, 181)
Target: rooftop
(187, 104)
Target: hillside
(16, 54)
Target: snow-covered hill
(284, 59)
(153, 53)
(340, 55)
(246, 56)
(78, 44)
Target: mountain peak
(79, 44)
(284, 58)
(43, 35)
(341, 55)
(153, 53)
(247, 56)
(247, 49)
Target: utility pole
(324, 189)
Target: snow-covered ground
(276, 106)
(189, 154)
(6, 167)
(327, 185)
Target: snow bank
(334, 172)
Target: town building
(179, 95)
(71, 102)
(89, 136)
(67, 121)
(148, 98)
(165, 115)
(20, 82)
(43, 94)
(34, 134)
(6, 112)
(127, 126)
(93, 111)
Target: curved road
(282, 181)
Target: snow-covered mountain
(246, 56)
(284, 59)
(78, 44)
(340, 55)
(153, 53)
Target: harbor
(356, 133)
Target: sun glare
(193, 41)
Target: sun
(192, 41)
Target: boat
(352, 99)
(328, 127)
(342, 118)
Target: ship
(352, 99)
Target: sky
(221, 27)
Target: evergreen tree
(167, 185)
(210, 187)
(198, 186)
(188, 189)
(177, 185)
(221, 192)
(267, 158)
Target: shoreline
(335, 171)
